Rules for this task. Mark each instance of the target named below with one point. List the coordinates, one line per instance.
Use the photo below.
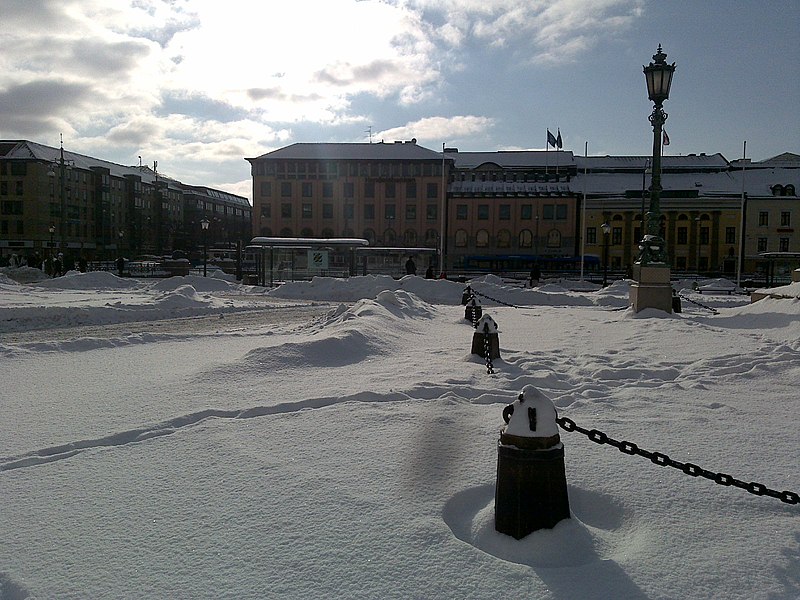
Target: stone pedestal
(652, 288)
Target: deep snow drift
(353, 455)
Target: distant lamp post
(204, 224)
(52, 231)
(62, 165)
(606, 231)
(120, 235)
(652, 287)
(697, 264)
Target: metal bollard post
(473, 310)
(531, 490)
(486, 331)
(465, 297)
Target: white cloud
(438, 129)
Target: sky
(336, 438)
(198, 85)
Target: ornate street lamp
(606, 231)
(659, 79)
(204, 224)
(52, 230)
(652, 288)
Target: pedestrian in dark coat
(411, 267)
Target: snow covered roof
(700, 161)
(512, 159)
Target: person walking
(411, 267)
(120, 265)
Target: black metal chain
(474, 313)
(713, 310)
(494, 299)
(663, 460)
(487, 352)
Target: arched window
(461, 239)
(410, 237)
(389, 237)
(525, 238)
(777, 190)
(327, 232)
(482, 238)
(789, 190)
(369, 235)
(348, 233)
(431, 238)
(554, 238)
(306, 232)
(286, 232)
(682, 217)
(504, 238)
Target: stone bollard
(531, 490)
(466, 296)
(473, 310)
(486, 330)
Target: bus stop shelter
(277, 257)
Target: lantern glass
(659, 77)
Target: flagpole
(583, 208)
(546, 151)
(741, 223)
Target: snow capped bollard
(466, 296)
(485, 339)
(531, 490)
(473, 311)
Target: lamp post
(204, 224)
(52, 230)
(606, 231)
(652, 287)
(62, 165)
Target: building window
(616, 236)
(410, 237)
(525, 238)
(389, 237)
(504, 238)
(389, 189)
(763, 219)
(306, 210)
(3, 188)
(461, 212)
(548, 212)
(482, 238)
(349, 211)
(505, 212)
(411, 212)
(266, 189)
(327, 212)
(483, 212)
(369, 211)
(561, 212)
(786, 220)
(307, 189)
(783, 244)
(369, 235)
(389, 211)
(762, 244)
(327, 189)
(431, 212)
(411, 189)
(286, 189)
(730, 235)
(591, 235)
(526, 212)
(704, 235)
(266, 210)
(461, 239)
(20, 190)
(369, 189)
(432, 190)
(680, 263)
(683, 235)
(554, 238)
(349, 189)
(286, 210)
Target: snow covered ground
(195, 438)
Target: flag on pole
(665, 139)
(551, 139)
(558, 139)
